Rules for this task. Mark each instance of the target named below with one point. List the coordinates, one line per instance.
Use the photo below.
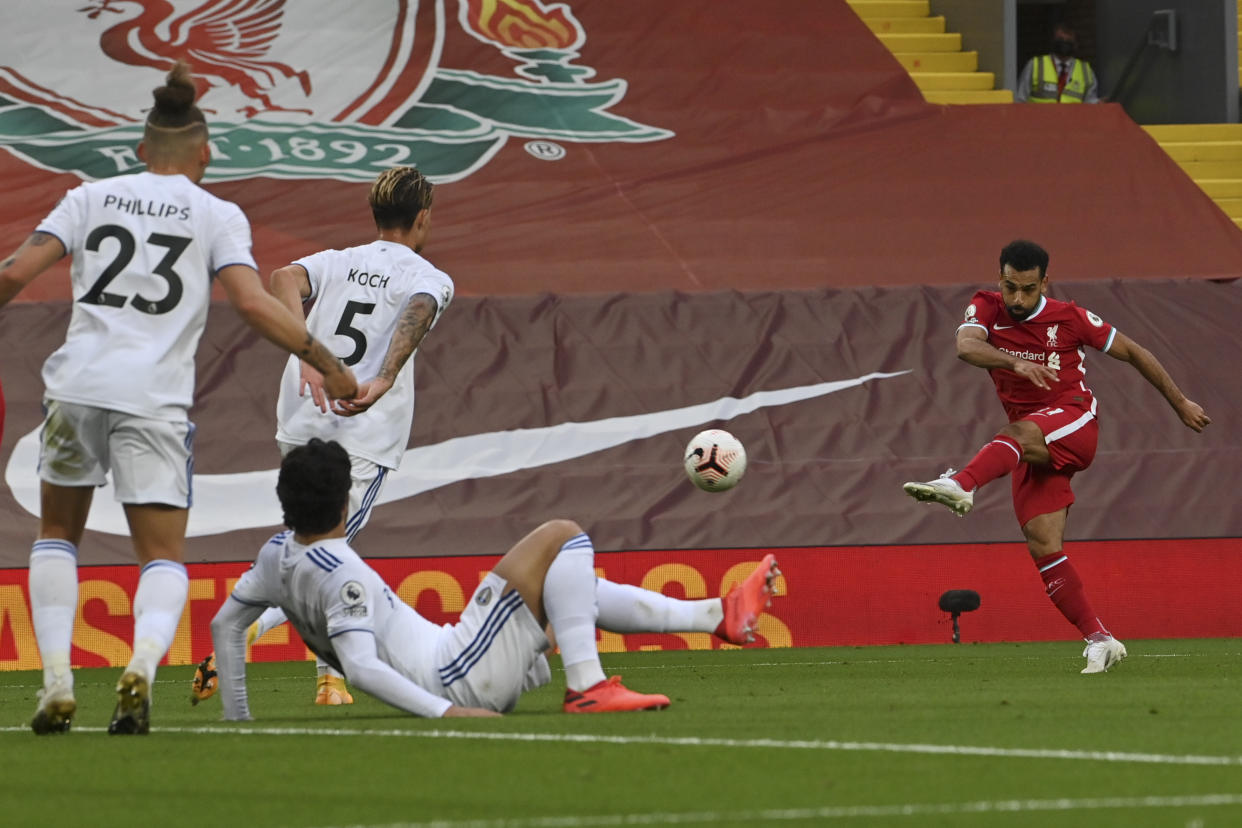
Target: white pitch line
(698, 742)
(831, 812)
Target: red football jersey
(1054, 335)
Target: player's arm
(37, 253)
(365, 671)
(267, 315)
(291, 285)
(973, 347)
(228, 637)
(416, 320)
(1144, 361)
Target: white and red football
(715, 460)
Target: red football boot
(611, 696)
(745, 602)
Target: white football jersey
(145, 248)
(360, 294)
(326, 589)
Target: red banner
(829, 596)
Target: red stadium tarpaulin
(706, 146)
(659, 217)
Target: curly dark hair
(313, 486)
(1024, 255)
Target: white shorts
(494, 652)
(367, 480)
(152, 461)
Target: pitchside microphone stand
(957, 601)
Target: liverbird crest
(225, 41)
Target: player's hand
(369, 393)
(1040, 375)
(340, 384)
(456, 712)
(312, 380)
(1192, 415)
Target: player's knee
(1026, 434)
(559, 530)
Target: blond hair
(398, 196)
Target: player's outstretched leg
(745, 603)
(1103, 654)
(562, 557)
(944, 490)
(133, 705)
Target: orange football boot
(745, 602)
(331, 690)
(611, 696)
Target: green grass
(849, 736)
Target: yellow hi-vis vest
(1044, 81)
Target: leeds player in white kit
(145, 249)
(374, 303)
(480, 666)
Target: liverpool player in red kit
(1033, 347)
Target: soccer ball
(715, 460)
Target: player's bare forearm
(19, 269)
(1145, 362)
(315, 354)
(267, 315)
(977, 351)
(415, 321)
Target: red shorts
(1071, 435)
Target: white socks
(323, 668)
(54, 605)
(624, 608)
(569, 601)
(158, 603)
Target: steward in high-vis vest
(1058, 77)
(1048, 86)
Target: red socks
(1064, 587)
(997, 459)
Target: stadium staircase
(934, 57)
(1211, 154)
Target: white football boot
(943, 490)
(1101, 655)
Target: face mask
(1063, 47)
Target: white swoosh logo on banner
(247, 500)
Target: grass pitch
(966, 735)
